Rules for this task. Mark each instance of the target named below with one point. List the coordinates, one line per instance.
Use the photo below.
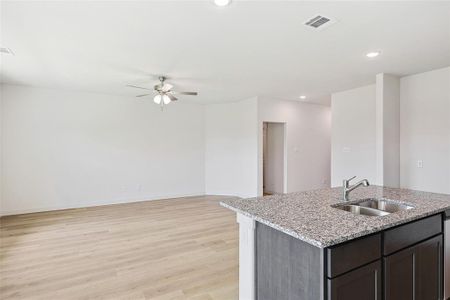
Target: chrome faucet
(347, 188)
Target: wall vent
(319, 22)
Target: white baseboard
(96, 203)
(227, 193)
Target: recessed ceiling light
(373, 54)
(222, 2)
(302, 97)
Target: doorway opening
(273, 158)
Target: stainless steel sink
(360, 210)
(385, 205)
(373, 207)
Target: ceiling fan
(164, 93)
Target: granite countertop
(309, 216)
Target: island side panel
(286, 267)
(246, 257)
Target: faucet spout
(347, 188)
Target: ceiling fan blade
(138, 87)
(186, 93)
(143, 95)
(172, 97)
(166, 87)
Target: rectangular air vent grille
(6, 50)
(317, 21)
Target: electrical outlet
(420, 163)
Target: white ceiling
(226, 54)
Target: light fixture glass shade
(222, 2)
(157, 99)
(166, 99)
(373, 54)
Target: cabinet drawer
(361, 284)
(355, 253)
(406, 235)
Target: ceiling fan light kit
(157, 99)
(166, 99)
(164, 93)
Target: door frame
(260, 156)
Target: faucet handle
(348, 180)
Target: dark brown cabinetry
(361, 284)
(286, 268)
(354, 270)
(415, 272)
(351, 255)
(400, 263)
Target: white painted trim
(95, 204)
(285, 159)
(246, 257)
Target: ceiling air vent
(6, 50)
(319, 22)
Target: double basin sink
(373, 207)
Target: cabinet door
(399, 275)
(415, 273)
(361, 284)
(428, 273)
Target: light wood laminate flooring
(185, 248)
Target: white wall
(274, 163)
(1, 150)
(425, 131)
(424, 134)
(307, 129)
(63, 149)
(231, 148)
(353, 141)
(388, 130)
(69, 149)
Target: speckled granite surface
(309, 216)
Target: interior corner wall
(353, 150)
(64, 149)
(388, 130)
(425, 131)
(231, 148)
(307, 130)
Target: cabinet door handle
(376, 284)
(414, 275)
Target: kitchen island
(304, 246)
